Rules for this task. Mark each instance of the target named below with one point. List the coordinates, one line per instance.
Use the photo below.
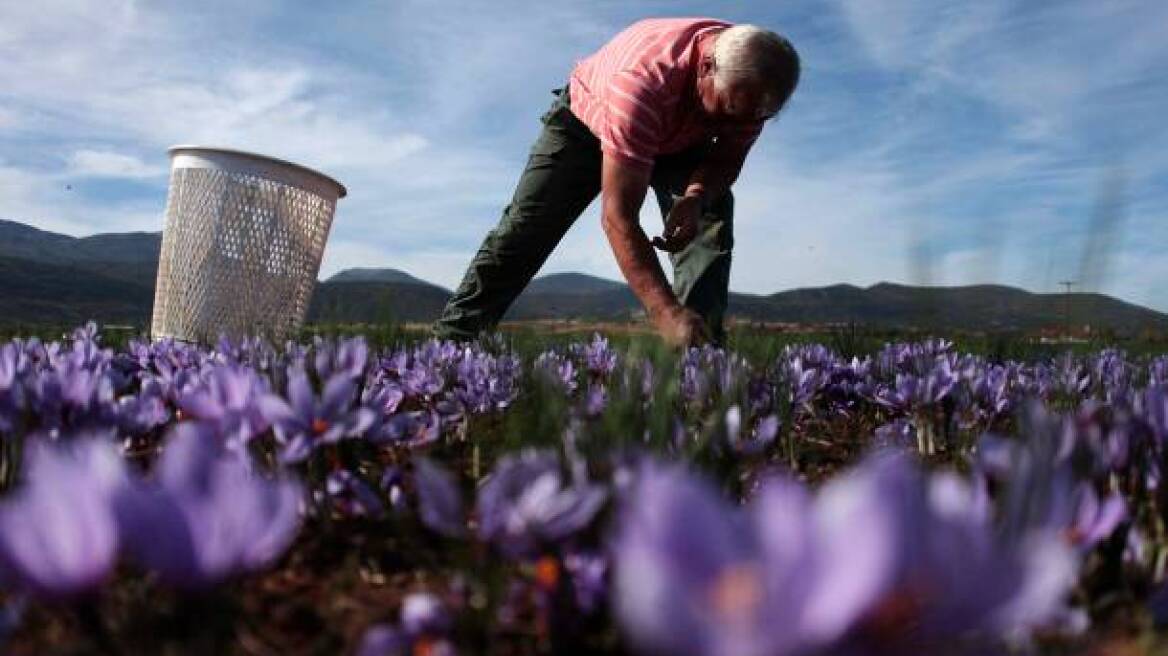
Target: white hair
(753, 54)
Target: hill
(377, 275)
(376, 302)
(49, 277)
(572, 283)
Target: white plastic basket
(242, 244)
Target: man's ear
(706, 66)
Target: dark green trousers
(561, 178)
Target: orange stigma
(547, 572)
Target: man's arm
(710, 179)
(720, 168)
(623, 189)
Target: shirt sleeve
(633, 123)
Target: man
(674, 104)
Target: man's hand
(681, 226)
(682, 327)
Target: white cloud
(425, 111)
(48, 202)
(919, 34)
(105, 164)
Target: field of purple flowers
(435, 498)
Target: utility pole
(1067, 284)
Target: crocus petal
(868, 506)
(337, 395)
(199, 404)
(439, 500)
(59, 535)
(300, 396)
(677, 538)
(384, 640)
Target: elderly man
(673, 104)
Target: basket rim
(191, 148)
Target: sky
(1017, 142)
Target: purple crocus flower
(953, 572)
(423, 628)
(309, 422)
(138, 414)
(595, 400)
(898, 434)
(558, 370)
(384, 397)
(1094, 519)
(484, 383)
(174, 369)
(938, 383)
(1158, 371)
(1040, 488)
(755, 441)
(207, 517)
(13, 366)
(525, 505)
(800, 382)
(903, 395)
(235, 400)
(347, 357)
(422, 377)
(589, 572)
(58, 533)
(351, 495)
(788, 561)
(71, 397)
(694, 575)
(85, 351)
(598, 357)
(254, 352)
(414, 428)
(690, 575)
(992, 390)
(1070, 377)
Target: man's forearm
(638, 262)
(622, 193)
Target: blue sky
(930, 142)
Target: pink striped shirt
(637, 95)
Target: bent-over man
(673, 104)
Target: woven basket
(242, 245)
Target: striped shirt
(636, 94)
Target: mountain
(888, 305)
(574, 295)
(362, 295)
(377, 275)
(572, 283)
(129, 256)
(66, 294)
(376, 302)
(51, 278)
(20, 240)
(982, 307)
(24, 241)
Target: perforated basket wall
(242, 245)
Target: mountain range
(47, 277)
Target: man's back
(634, 92)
